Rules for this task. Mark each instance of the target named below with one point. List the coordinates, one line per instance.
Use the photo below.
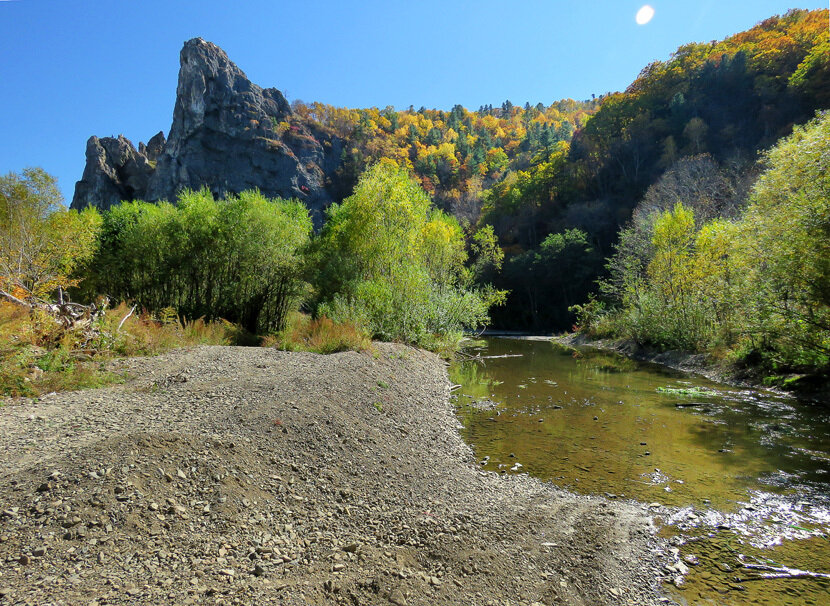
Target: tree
(785, 247)
(240, 259)
(545, 281)
(41, 242)
(393, 264)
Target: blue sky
(70, 69)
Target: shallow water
(741, 476)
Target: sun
(644, 15)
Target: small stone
(25, 560)
(101, 557)
(153, 506)
(338, 567)
(435, 581)
(397, 598)
(39, 552)
(181, 474)
(351, 548)
(259, 571)
(330, 586)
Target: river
(738, 478)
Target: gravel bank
(223, 475)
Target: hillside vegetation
(447, 217)
(751, 284)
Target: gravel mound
(225, 475)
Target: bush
(392, 264)
(320, 335)
(240, 259)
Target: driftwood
(67, 314)
(124, 319)
(782, 572)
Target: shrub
(240, 259)
(392, 264)
(320, 335)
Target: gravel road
(228, 475)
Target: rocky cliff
(228, 134)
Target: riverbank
(248, 475)
(812, 388)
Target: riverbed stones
(387, 507)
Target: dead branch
(124, 319)
(15, 300)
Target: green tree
(240, 259)
(41, 242)
(393, 264)
(785, 248)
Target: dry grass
(320, 335)
(37, 356)
(144, 334)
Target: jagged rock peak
(114, 171)
(210, 81)
(228, 134)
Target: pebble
(272, 533)
(397, 598)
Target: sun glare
(644, 15)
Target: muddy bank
(224, 475)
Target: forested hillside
(455, 155)
(558, 182)
(695, 122)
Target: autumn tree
(392, 263)
(41, 242)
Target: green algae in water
(687, 391)
(602, 424)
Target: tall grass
(320, 335)
(37, 356)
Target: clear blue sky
(70, 69)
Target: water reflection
(749, 465)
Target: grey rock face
(228, 134)
(154, 147)
(114, 171)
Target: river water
(737, 478)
